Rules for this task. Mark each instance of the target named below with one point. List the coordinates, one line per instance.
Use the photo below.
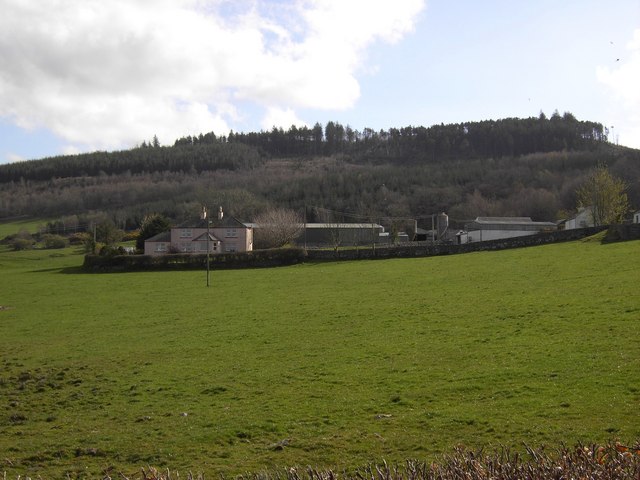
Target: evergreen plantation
(519, 167)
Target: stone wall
(426, 249)
(617, 233)
(291, 256)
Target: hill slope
(522, 167)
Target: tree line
(491, 138)
(143, 159)
(206, 152)
(539, 164)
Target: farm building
(583, 219)
(342, 234)
(225, 234)
(495, 228)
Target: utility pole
(208, 240)
(206, 219)
(433, 228)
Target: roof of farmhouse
(225, 222)
(160, 237)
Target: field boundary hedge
(291, 256)
(185, 261)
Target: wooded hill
(523, 167)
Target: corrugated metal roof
(328, 225)
(343, 225)
(503, 220)
(508, 223)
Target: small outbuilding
(582, 219)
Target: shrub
(79, 238)
(21, 243)
(54, 241)
(610, 461)
(131, 236)
(111, 251)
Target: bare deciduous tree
(278, 227)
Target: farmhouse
(494, 228)
(225, 234)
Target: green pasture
(29, 224)
(333, 365)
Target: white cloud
(109, 74)
(623, 82)
(13, 157)
(278, 117)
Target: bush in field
(21, 240)
(79, 238)
(108, 233)
(21, 244)
(54, 241)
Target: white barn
(495, 228)
(583, 219)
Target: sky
(86, 75)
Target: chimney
(203, 214)
(220, 213)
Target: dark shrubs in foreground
(606, 462)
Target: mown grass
(333, 365)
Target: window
(161, 247)
(230, 247)
(231, 233)
(185, 233)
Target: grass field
(333, 365)
(29, 224)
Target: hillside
(521, 167)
